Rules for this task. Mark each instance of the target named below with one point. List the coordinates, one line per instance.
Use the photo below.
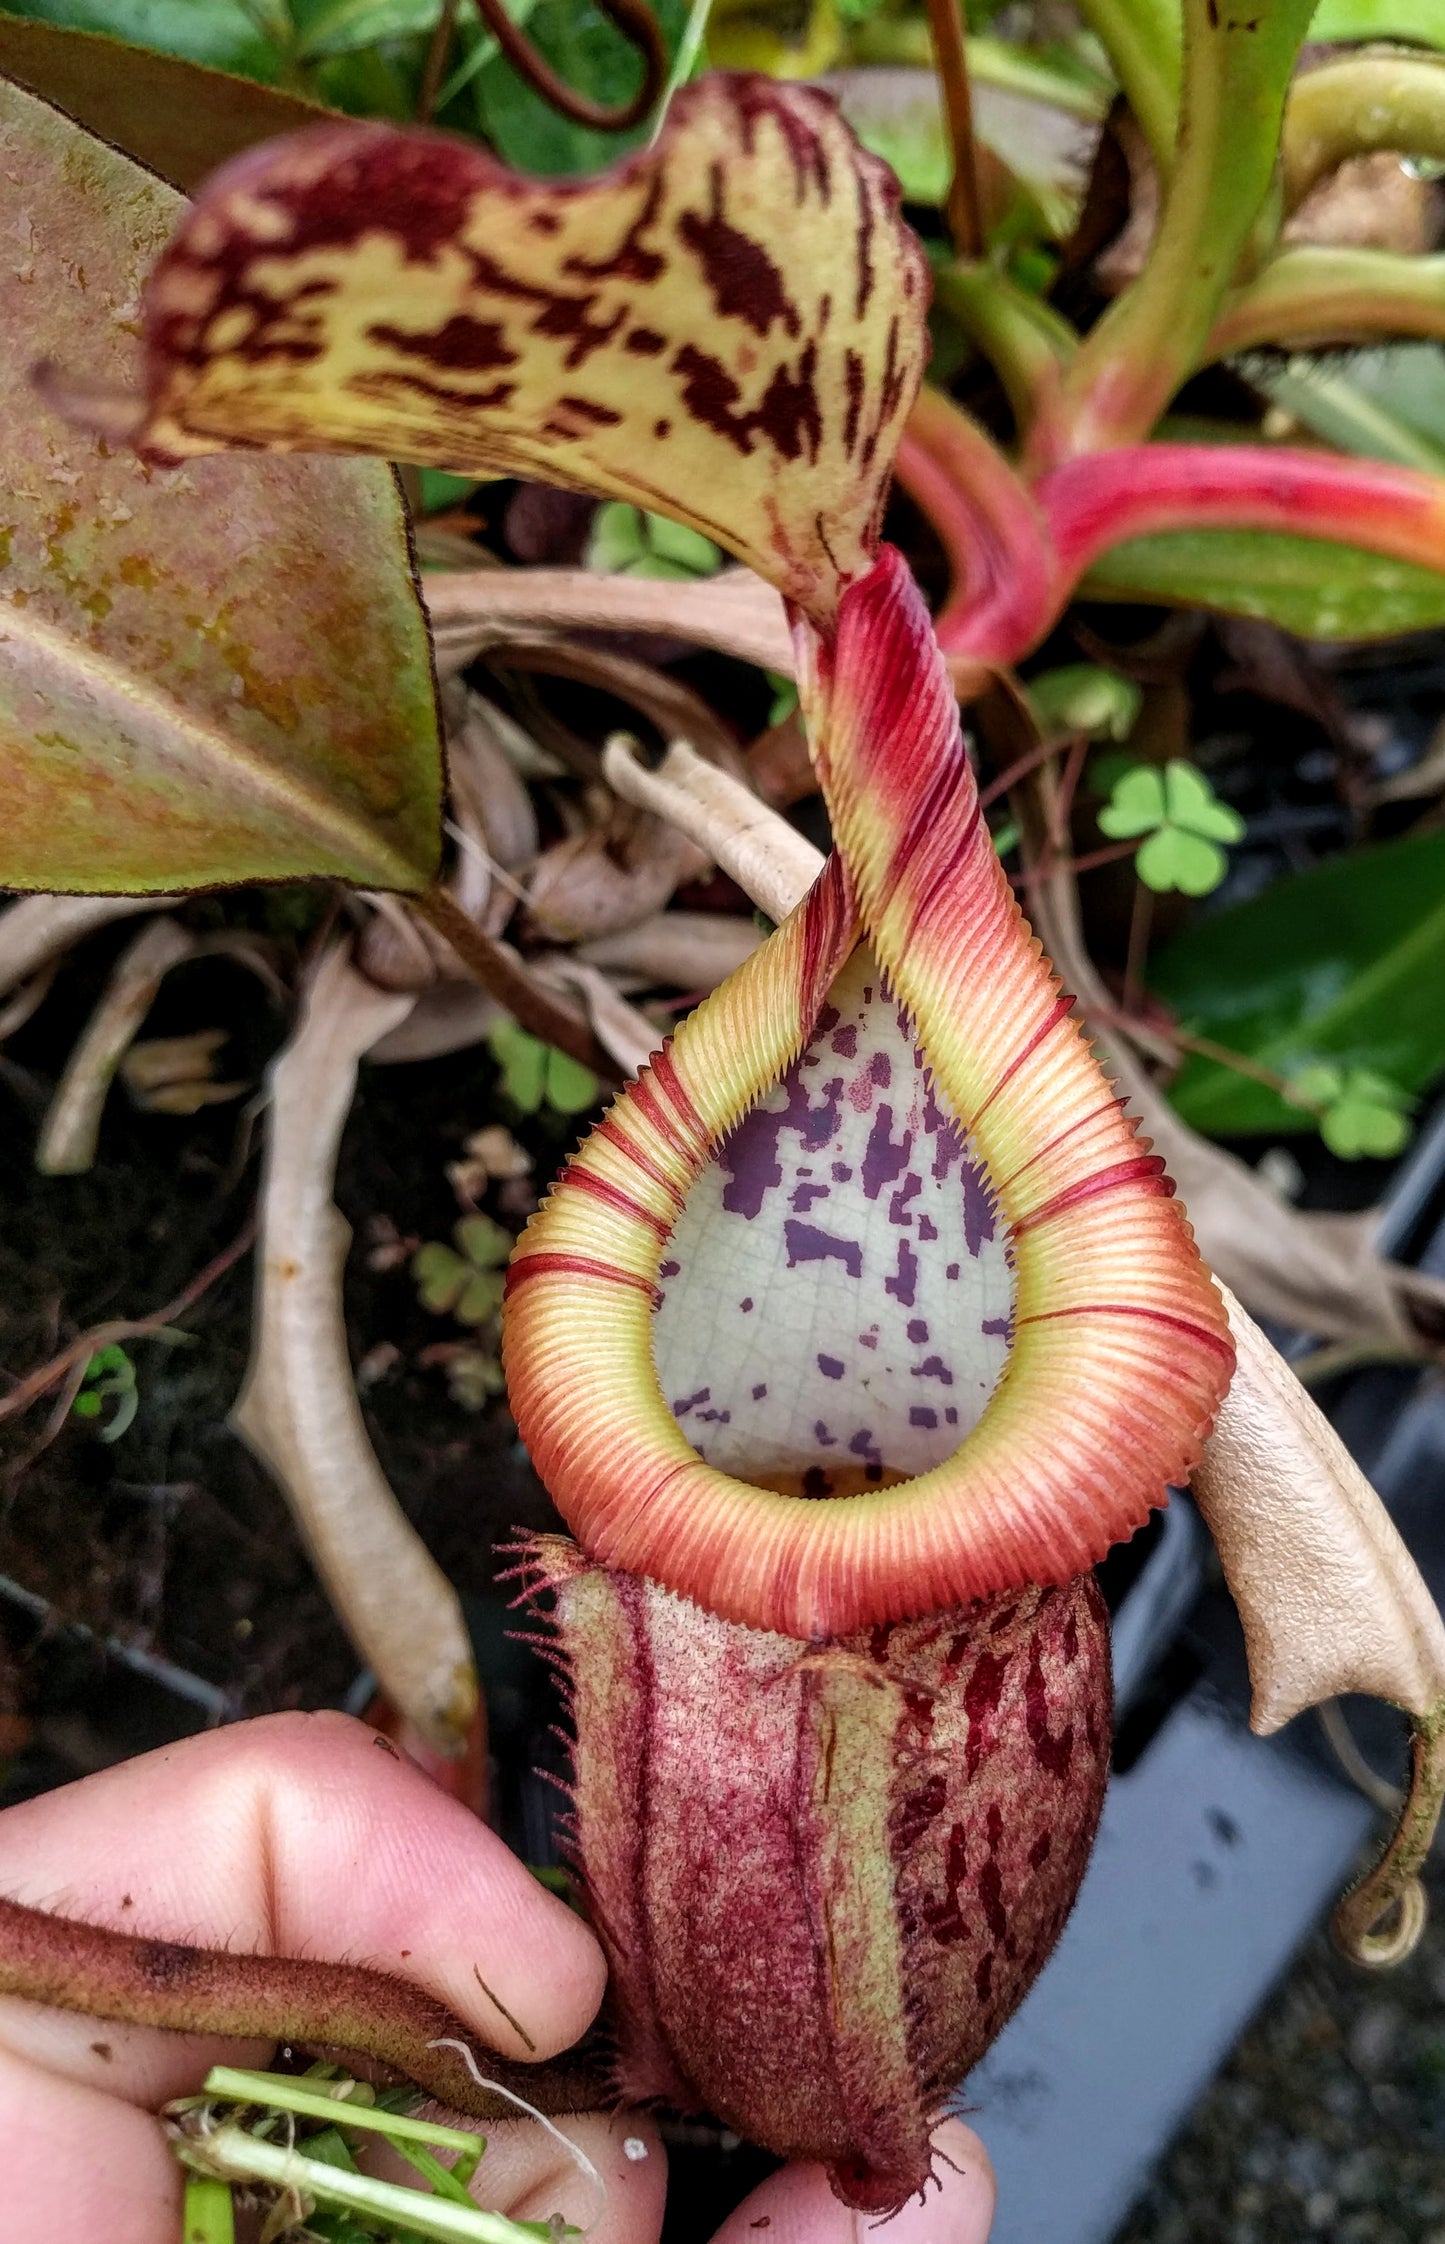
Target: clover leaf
(1361, 1112)
(536, 1075)
(627, 542)
(1184, 820)
(467, 1280)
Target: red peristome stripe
(1060, 1010)
(1200, 1333)
(1060, 1137)
(1087, 1188)
(609, 1129)
(553, 1265)
(1097, 502)
(580, 1179)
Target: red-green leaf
(217, 674)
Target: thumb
(797, 2206)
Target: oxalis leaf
(1341, 964)
(1315, 587)
(212, 675)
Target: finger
(80, 2166)
(296, 1835)
(526, 2172)
(797, 2206)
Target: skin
(298, 1836)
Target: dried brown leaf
(611, 877)
(473, 610)
(71, 1129)
(680, 950)
(35, 930)
(765, 856)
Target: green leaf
(221, 33)
(1082, 697)
(339, 27)
(685, 547)
(440, 490)
(1193, 804)
(586, 50)
(1422, 21)
(1174, 859)
(486, 1245)
(523, 1062)
(180, 120)
(481, 1297)
(441, 1277)
(1343, 965)
(214, 674)
(571, 1088)
(618, 538)
(1137, 804)
(1311, 586)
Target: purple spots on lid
(933, 1367)
(746, 1304)
(841, 1172)
(922, 1415)
(927, 1228)
(831, 1367)
(669, 1269)
(805, 1243)
(868, 1339)
(845, 1043)
(760, 1391)
(998, 1328)
(952, 1270)
(917, 1328)
(816, 1482)
(950, 1417)
(685, 1403)
(880, 1069)
(805, 1194)
(863, 1445)
(821, 1435)
(903, 1284)
(828, 1018)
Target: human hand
(294, 1835)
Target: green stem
(232, 2154)
(1025, 341)
(1356, 106)
(208, 2215)
(1307, 296)
(1391, 1893)
(684, 62)
(1141, 38)
(1237, 68)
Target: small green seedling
(1079, 697)
(1184, 820)
(298, 2137)
(535, 1075)
(464, 1281)
(1361, 1113)
(626, 542)
(109, 1377)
